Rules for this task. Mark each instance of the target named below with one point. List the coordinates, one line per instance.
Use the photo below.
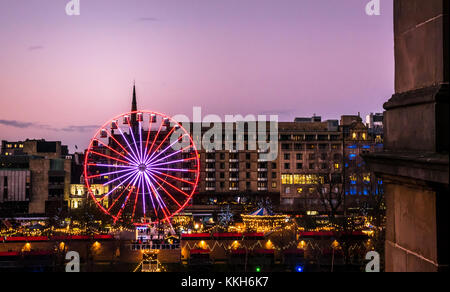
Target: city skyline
(65, 80)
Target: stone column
(415, 162)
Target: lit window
(364, 136)
(354, 136)
(299, 191)
(336, 166)
(287, 179)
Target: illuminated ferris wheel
(147, 162)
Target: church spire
(134, 108)
(134, 103)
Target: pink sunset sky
(62, 76)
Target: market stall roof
(262, 212)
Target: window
(311, 147)
(354, 136)
(274, 166)
(274, 175)
(287, 166)
(248, 165)
(247, 156)
(287, 156)
(285, 146)
(274, 185)
(364, 136)
(312, 166)
(337, 166)
(312, 156)
(336, 146)
(307, 179)
(248, 175)
(287, 179)
(299, 191)
(299, 156)
(298, 146)
(323, 156)
(299, 165)
(222, 175)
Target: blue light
(299, 269)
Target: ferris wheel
(146, 163)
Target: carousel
(263, 220)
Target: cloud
(35, 48)
(27, 125)
(277, 112)
(79, 128)
(147, 19)
(16, 124)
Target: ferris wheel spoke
(117, 217)
(174, 177)
(168, 183)
(174, 169)
(119, 185)
(154, 140)
(134, 141)
(168, 156)
(108, 173)
(150, 193)
(117, 152)
(111, 165)
(120, 145)
(128, 144)
(130, 173)
(152, 159)
(168, 194)
(162, 143)
(109, 157)
(118, 198)
(140, 141)
(148, 138)
(161, 203)
(173, 162)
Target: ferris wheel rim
(192, 146)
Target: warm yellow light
(335, 244)
(96, 245)
(27, 247)
(269, 244)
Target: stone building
(35, 176)
(415, 162)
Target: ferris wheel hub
(142, 167)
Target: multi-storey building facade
(35, 176)
(309, 153)
(236, 176)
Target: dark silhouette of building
(415, 162)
